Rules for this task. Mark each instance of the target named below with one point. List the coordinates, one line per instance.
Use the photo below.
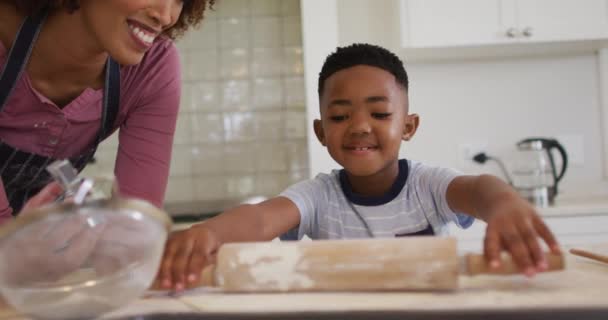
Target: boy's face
(364, 117)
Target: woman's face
(126, 29)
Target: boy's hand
(186, 253)
(514, 226)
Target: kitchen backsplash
(241, 130)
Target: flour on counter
(279, 270)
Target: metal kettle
(535, 173)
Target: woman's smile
(142, 35)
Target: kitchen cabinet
(438, 23)
(463, 23)
(561, 20)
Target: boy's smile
(363, 120)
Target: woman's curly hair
(192, 12)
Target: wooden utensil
(413, 263)
(589, 255)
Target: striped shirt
(329, 209)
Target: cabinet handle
(511, 32)
(527, 32)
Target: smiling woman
(191, 13)
(73, 72)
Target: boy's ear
(318, 126)
(411, 125)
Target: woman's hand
(123, 241)
(186, 253)
(47, 195)
(51, 250)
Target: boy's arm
(255, 222)
(188, 251)
(513, 223)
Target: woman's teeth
(142, 35)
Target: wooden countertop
(583, 284)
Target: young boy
(363, 93)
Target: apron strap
(111, 99)
(19, 54)
(109, 108)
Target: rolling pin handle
(476, 264)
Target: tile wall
(241, 130)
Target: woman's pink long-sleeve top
(149, 102)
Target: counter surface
(596, 205)
(583, 286)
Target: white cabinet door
(466, 23)
(438, 23)
(562, 20)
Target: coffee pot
(534, 172)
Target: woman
(74, 71)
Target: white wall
(499, 102)
(494, 101)
(319, 38)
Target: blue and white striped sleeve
(306, 195)
(436, 181)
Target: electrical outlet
(467, 150)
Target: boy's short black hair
(362, 54)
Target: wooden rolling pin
(589, 255)
(413, 263)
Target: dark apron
(23, 173)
